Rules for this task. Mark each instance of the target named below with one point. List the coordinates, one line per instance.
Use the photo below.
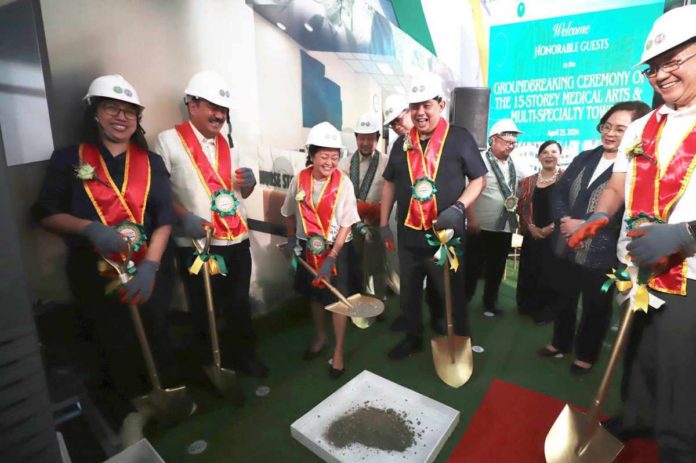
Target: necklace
(545, 181)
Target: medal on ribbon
(224, 202)
(510, 203)
(423, 189)
(133, 232)
(316, 244)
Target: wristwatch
(459, 206)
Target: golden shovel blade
(363, 306)
(567, 440)
(171, 405)
(225, 382)
(362, 322)
(453, 359)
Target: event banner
(556, 77)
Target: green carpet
(259, 431)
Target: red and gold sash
(116, 206)
(316, 218)
(423, 167)
(655, 193)
(225, 227)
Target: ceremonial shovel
(172, 404)
(579, 438)
(358, 305)
(224, 380)
(454, 362)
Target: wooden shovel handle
(336, 292)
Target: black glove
(192, 226)
(364, 230)
(106, 239)
(324, 271)
(452, 217)
(387, 238)
(652, 243)
(245, 177)
(139, 288)
(289, 249)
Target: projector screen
(556, 77)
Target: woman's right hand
(569, 226)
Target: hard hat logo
(659, 38)
(118, 89)
(224, 93)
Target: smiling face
(117, 120)
(208, 118)
(676, 87)
(548, 158)
(426, 115)
(614, 129)
(402, 123)
(324, 162)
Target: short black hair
(90, 128)
(637, 108)
(546, 144)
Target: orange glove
(588, 229)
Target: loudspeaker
(470, 110)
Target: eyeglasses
(608, 128)
(669, 66)
(398, 119)
(113, 110)
(506, 141)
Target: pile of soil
(373, 427)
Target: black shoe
(616, 427)
(578, 370)
(252, 367)
(312, 354)
(335, 372)
(409, 345)
(399, 324)
(544, 352)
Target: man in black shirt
(427, 176)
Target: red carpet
(511, 424)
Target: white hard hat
(112, 86)
(424, 87)
(324, 135)
(393, 106)
(504, 126)
(367, 123)
(669, 30)
(210, 86)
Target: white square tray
(436, 421)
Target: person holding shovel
(96, 194)
(209, 187)
(653, 177)
(427, 176)
(320, 209)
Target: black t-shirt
(460, 160)
(63, 192)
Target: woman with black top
(583, 270)
(534, 298)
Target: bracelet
(333, 253)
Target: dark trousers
(596, 311)
(415, 264)
(486, 254)
(661, 375)
(534, 296)
(230, 297)
(108, 324)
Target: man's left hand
(653, 243)
(452, 217)
(139, 288)
(245, 177)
